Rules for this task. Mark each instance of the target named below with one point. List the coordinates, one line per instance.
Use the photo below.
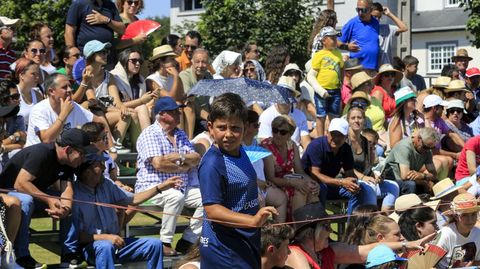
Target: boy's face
(227, 134)
(279, 255)
(412, 68)
(330, 42)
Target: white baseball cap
(433, 100)
(456, 103)
(339, 125)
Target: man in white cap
(7, 56)
(323, 159)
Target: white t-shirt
(42, 117)
(385, 37)
(271, 113)
(458, 246)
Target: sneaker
(73, 261)
(120, 148)
(28, 262)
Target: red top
(472, 144)
(282, 167)
(388, 102)
(328, 258)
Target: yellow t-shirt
(328, 63)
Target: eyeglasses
(455, 110)
(251, 69)
(37, 51)
(362, 10)
(130, 3)
(359, 104)
(190, 47)
(281, 132)
(136, 61)
(104, 52)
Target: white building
(437, 28)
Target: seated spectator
(26, 176)
(455, 112)
(27, 74)
(451, 71)
(164, 151)
(98, 227)
(14, 125)
(286, 171)
(227, 65)
(252, 70)
(457, 89)
(399, 65)
(352, 66)
(411, 67)
(405, 118)
(175, 42)
(386, 81)
(274, 245)
(466, 171)
(460, 238)
(416, 223)
(325, 157)
(42, 31)
(403, 203)
(438, 87)
(443, 192)
(408, 157)
(69, 56)
(364, 159)
(461, 60)
(11, 217)
(7, 55)
(383, 257)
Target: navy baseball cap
(92, 155)
(75, 138)
(165, 103)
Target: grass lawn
(48, 254)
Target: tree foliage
(473, 22)
(231, 23)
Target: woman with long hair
(42, 31)
(27, 73)
(174, 41)
(418, 222)
(36, 52)
(128, 10)
(275, 63)
(386, 81)
(327, 17)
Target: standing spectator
(41, 31)
(387, 31)
(7, 56)
(360, 36)
(472, 83)
(175, 42)
(251, 51)
(407, 158)
(193, 40)
(277, 59)
(164, 151)
(351, 67)
(325, 77)
(325, 157)
(411, 67)
(386, 81)
(128, 12)
(461, 60)
(327, 17)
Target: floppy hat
(289, 83)
(403, 94)
(441, 82)
(165, 103)
(433, 100)
(6, 21)
(442, 188)
(313, 212)
(328, 31)
(75, 138)
(339, 125)
(461, 53)
(456, 103)
(456, 86)
(162, 51)
(388, 68)
(403, 203)
(352, 64)
(382, 254)
(471, 72)
(359, 94)
(292, 66)
(463, 203)
(94, 46)
(358, 79)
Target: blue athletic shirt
(231, 182)
(366, 36)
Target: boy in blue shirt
(230, 236)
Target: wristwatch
(182, 158)
(14, 139)
(113, 149)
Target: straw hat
(403, 203)
(461, 53)
(463, 203)
(388, 68)
(289, 83)
(352, 64)
(162, 51)
(359, 94)
(441, 82)
(358, 79)
(456, 86)
(443, 188)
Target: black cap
(313, 211)
(92, 155)
(75, 138)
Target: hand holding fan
(428, 258)
(138, 27)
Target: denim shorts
(331, 105)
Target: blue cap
(94, 46)
(382, 254)
(165, 103)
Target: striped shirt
(7, 57)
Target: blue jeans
(366, 195)
(331, 105)
(29, 205)
(104, 254)
(406, 186)
(388, 190)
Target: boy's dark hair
(171, 40)
(252, 116)
(409, 60)
(370, 131)
(194, 34)
(93, 130)
(274, 235)
(377, 6)
(448, 69)
(228, 105)
(398, 64)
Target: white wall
(426, 5)
(177, 17)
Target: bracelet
(158, 190)
(83, 84)
(62, 121)
(404, 245)
(109, 21)
(344, 46)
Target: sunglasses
(389, 74)
(190, 47)
(281, 132)
(130, 3)
(38, 51)
(251, 69)
(104, 52)
(362, 10)
(15, 96)
(457, 110)
(359, 104)
(136, 61)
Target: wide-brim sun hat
(442, 188)
(463, 203)
(441, 82)
(162, 51)
(357, 95)
(388, 68)
(359, 79)
(403, 94)
(456, 86)
(289, 83)
(352, 64)
(461, 53)
(308, 215)
(292, 66)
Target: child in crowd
(383, 257)
(275, 241)
(230, 237)
(325, 77)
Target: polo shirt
(7, 57)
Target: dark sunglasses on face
(15, 96)
(251, 69)
(104, 52)
(281, 132)
(362, 10)
(389, 74)
(136, 61)
(359, 104)
(38, 51)
(130, 3)
(453, 110)
(190, 47)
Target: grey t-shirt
(386, 32)
(405, 153)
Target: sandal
(168, 251)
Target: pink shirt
(472, 144)
(346, 93)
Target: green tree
(231, 23)
(473, 22)
(155, 39)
